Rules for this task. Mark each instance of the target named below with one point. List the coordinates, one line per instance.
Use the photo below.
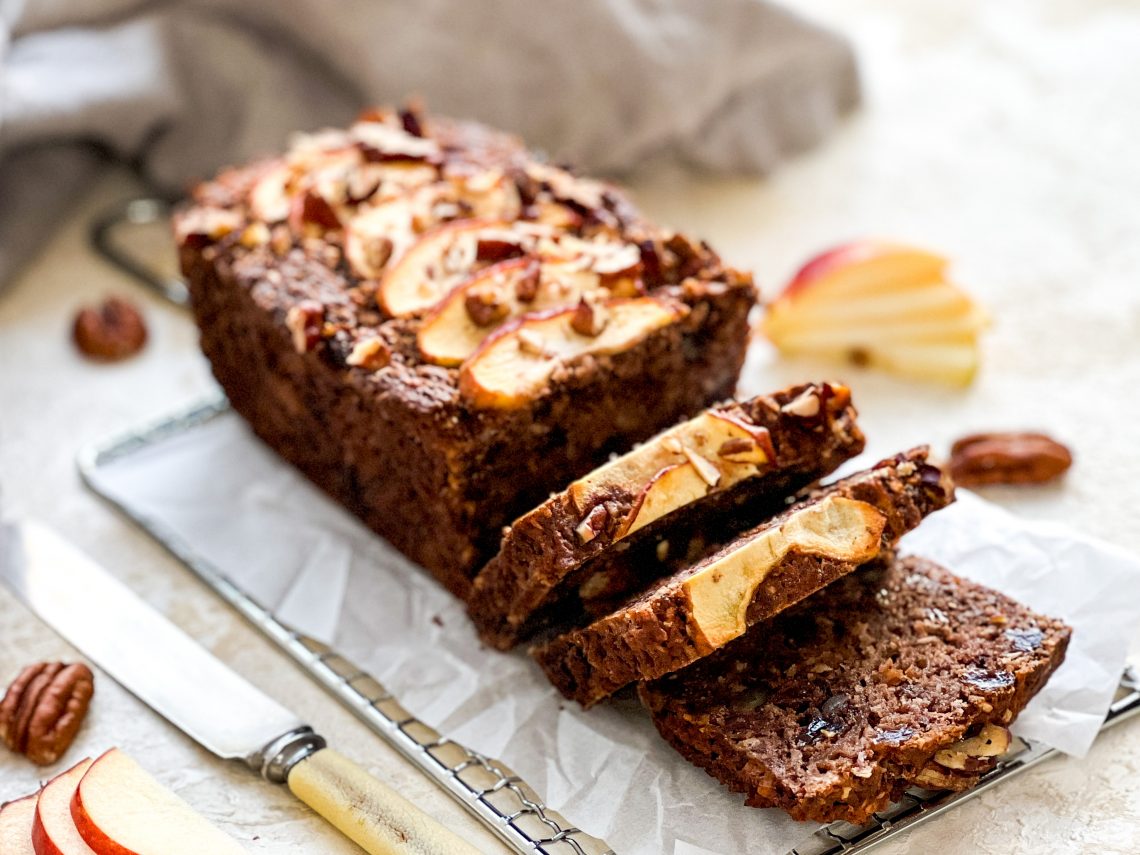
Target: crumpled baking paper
(298, 553)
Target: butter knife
(200, 695)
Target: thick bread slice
(768, 446)
(901, 674)
(703, 606)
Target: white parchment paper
(299, 554)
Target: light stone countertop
(1002, 134)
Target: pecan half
(110, 332)
(1008, 458)
(43, 708)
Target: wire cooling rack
(489, 790)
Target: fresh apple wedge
(512, 366)
(953, 364)
(934, 300)
(16, 818)
(53, 830)
(880, 305)
(120, 809)
(865, 266)
(868, 336)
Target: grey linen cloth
(178, 89)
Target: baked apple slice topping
(880, 305)
(513, 365)
(721, 590)
(564, 274)
(432, 266)
(714, 451)
(711, 452)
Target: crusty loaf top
(443, 260)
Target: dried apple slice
(715, 452)
(512, 366)
(270, 199)
(489, 195)
(880, 305)
(498, 294)
(431, 267)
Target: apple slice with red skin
(862, 265)
(120, 809)
(53, 830)
(16, 819)
(880, 305)
(513, 365)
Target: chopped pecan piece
(589, 318)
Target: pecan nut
(1008, 458)
(43, 709)
(110, 332)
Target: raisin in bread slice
(901, 674)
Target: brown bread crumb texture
(832, 709)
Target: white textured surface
(1003, 134)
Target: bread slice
(901, 674)
(763, 448)
(701, 607)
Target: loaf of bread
(439, 328)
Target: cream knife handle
(372, 814)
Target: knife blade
(177, 678)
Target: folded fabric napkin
(180, 89)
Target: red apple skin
(834, 259)
(91, 833)
(42, 841)
(17, 818)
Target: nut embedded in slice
(512, 366)
(978, 752)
